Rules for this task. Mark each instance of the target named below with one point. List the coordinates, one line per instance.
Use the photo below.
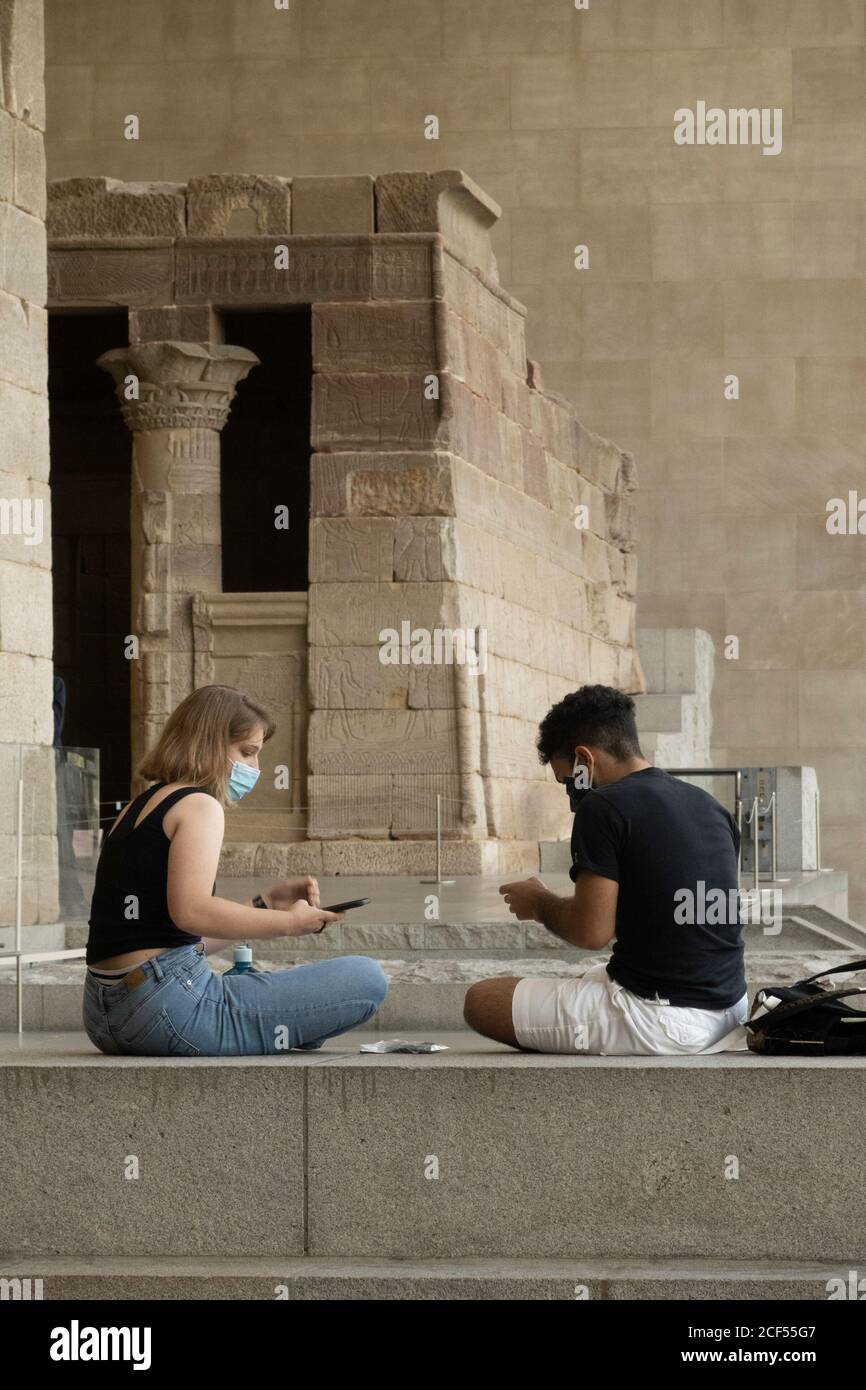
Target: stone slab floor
(402, 899)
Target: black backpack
(811, 1020)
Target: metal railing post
(19, 885)
(771, 809)
(438, 879)
(17, 953)
(738, 810)
(438, 838)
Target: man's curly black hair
(596, 715)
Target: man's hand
(293, 890)
(524, 898)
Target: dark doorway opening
(90, 483)
(265, 454)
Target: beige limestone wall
(26, 720)
(703, 261)
(25, 574)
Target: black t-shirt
(672, 849)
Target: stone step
(819, 918)
(474, 1153)
(306, 1278)
(800, 929)
(35, 937)
(424, 992)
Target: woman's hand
(284, 895)
(306, 919)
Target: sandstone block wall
(453, 509)
(26, 635)
(25, 568)
(464, 536)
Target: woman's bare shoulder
(199, 807)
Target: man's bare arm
(588, 918)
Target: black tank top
(129, 911)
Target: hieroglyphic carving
(214, 201)
(193, 463)
(246, 270)
(155, 516)
(202, 641)
(354, 741)
(371, 410)
(355, 678)
(369, 337)
(376, 484)
(110, 275)
(402, 267)
(447, 202)
(350, 806)
(108, 208)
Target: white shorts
(594, 1014)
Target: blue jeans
(182, 1008)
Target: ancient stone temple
(400, 541)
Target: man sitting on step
(649, 853)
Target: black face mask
(575, 794)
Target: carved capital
(177, 385)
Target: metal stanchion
(818, 865)
(19, 983)
(738, 816)
(771, 810)
(438, 879)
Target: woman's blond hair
(193, 745)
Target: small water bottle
(243, 960)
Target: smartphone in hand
(343, 907)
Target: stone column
(175, 397)
(26, 638)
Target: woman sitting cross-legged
(149, 990)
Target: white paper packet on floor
(400, 1045)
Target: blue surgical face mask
(242, 779)
(576, 794)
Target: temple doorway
(265, 455)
